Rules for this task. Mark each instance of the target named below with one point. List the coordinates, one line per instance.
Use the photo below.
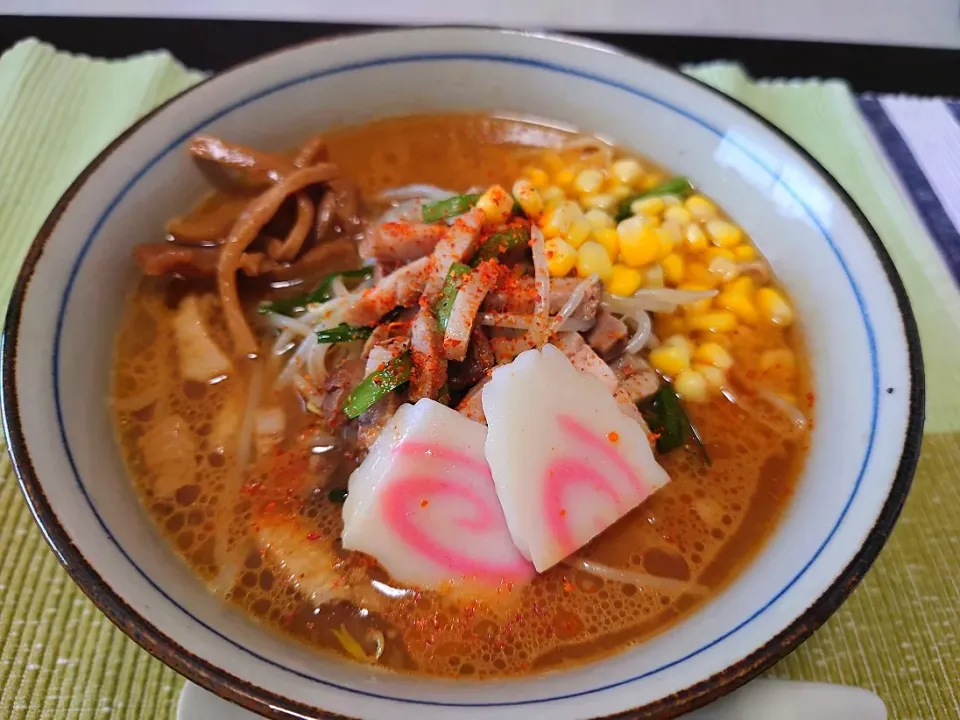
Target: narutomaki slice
(424, 505)
(566, 461)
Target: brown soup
(218, 501)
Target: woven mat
(897, 635)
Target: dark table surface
(217, 44)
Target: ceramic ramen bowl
(859, 333)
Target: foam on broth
(700, 529)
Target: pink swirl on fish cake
(405, 496)
(564, 472)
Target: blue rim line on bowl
(484, 57)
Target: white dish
(860, 334)
(758, 700)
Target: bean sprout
(282, 322)
(653, 300)
(573, 302)
(637, 579)
(789, 411)
(229, 558)
(139, 401)
(519, 321)
(416, 191)
(283, 343)
(599, 148)
(409, 211)
(541, 274)
(643, 334)
(379, 640)
(339, 289)
(351, 646)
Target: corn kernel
(639, 243)
(711, 353)
(715, 377)
(496, 204)
(742, 286)
(774, 307)
(609, 239)
(593, 259)
(700, 207)
(589, 181)
(724, 234)
(739, 304)
(717, 321)
(679, 215)
(564, 178)
(674, 229)
(724, 268)
(724, 341)
(598, 219)
(745, 253)
(649, 206)
(695, 237)
(671, 201)
(537, 177)
(578, 231)
(691, 386)
(698, 307)
(553, 162)
(529, 199)
(626, 171)
(558, 221)
(781, 361)
(669, 359)
(552, 195)
(651, 180)
(624, 280)
(620, 192)
(681, 341)
(666, 241)
(653, 277)
(599, 201)
(673, 267)
(717, 252)
(670, 324)
(698, 274)
(561, 257)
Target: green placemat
(897, 635)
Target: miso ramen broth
(235, 422)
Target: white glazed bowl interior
(853, 320)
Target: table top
(919, 23)
(896, 634)
(212, 45)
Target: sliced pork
(401, 287)
(429, 371)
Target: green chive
(385, 379)
(322, 293)
(501, 242)
(451, 207)
(338, 495)
(451, 286)
(668, 420)
(677, 186)
(443, 397)
(343, 333)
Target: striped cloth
(898, 633)
(921, 138)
